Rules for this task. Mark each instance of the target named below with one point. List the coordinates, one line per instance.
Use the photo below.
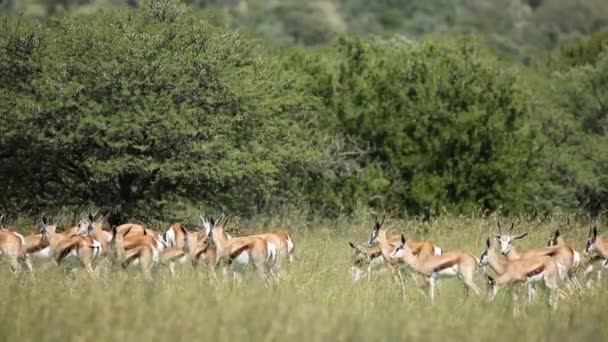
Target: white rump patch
(272, 251)
(289, 245)
(170, 238)
(576, 262)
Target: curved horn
(499, 228)
(511, 228)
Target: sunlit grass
(315, 300)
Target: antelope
(564, 255)
(284, 244)
(528, 271)
(194, 243)
(394, 240)
(243, 250)
(139, 249)
(84, 247)
(574, 259)
(432, 267)
(596, 255)
(371, 257)
(138, 229)
(12, 248)
(93, 228)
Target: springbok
(528, 271)
(564, 255)
(243, 250)
(371, 257)
(282, 240)
(84, 247)
(573, 259)
(432, 267)
(138, 229)
(137, 249)
(596, 255)
(12, 248)
(368, 258)
(195, 243)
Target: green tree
(132, 109)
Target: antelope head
(506, 240)
(591, 248)
(553, 239)
(373, 238)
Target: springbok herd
(555, 265)
(134, 244)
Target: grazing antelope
(368, 258)
(564, 255)
(84, 247)
(528, 271)
(394, 241)
(243, 250)
(136, 249)
(371, 258)
(432, 267)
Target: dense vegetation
(156, 106)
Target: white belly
(43, 253)
(451, 271)
(242, 258)
(536, 278)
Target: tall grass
(315, 301)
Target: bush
(419, 127)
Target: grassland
(315, 301)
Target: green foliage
(131, 109)
(577, 137)
(584, 51)
(420, 127)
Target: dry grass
(314, 302)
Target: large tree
(132, 108)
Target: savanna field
(314, 300)
(447, 115)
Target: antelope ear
(497, 236)
(183, 229)
(91, 217)
(488, 242)
(594, 232)
(556, 234)
(517, 237)
(145, 232)
(44, 220)
(402, 239)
